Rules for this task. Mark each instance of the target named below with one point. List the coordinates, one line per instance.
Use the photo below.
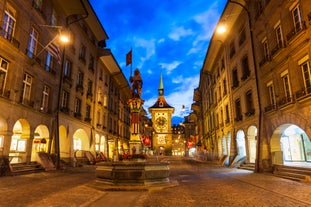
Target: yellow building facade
(58, 98)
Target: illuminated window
(32, 44)
(45, 98)
(27, 83)
(3, 74)
(8, 23)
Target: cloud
(179, 32)
(169, 67)
(178, 79)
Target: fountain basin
(132, 175)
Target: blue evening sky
(171, 36)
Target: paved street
(199, 184)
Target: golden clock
(161, 122)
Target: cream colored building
(74, 88)
(253, 96)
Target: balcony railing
(265, 60)
(285, 101)
(270, 107)
(249, 113)
(9, 37)
(302, 93)
(238, 118)
(246, 74)
(295, 31)
(277, 48)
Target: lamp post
(64, 40)
(257, 165)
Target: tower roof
(161, 102)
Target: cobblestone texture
(200, 185)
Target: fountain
(133, 174)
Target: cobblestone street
(199, 184)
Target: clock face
(161, 122)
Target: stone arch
(241, 147)
(81, 140)
(252, 143)
(4, 137)
(40, 142)
(64, 143)
(289, 142)
(19, 142)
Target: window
(37, 4)
(100, 74)
(235, 81)
(238, 111)
(91, 63)
(227, 114)
(67, 68)
(8, 24)
(104, 120)
(54, 18)
(90, 88)
(32, 44)
(286, 86)
(49, 62)
(77, 109)
(45, 99)
(98, 122)
(242, 36)
(266, 49)
(245, 68)
(296, 15)
(82, 53)
(88, 113)
(271, 93)
(249, 103)
(3, 74)
(222, 64)
(219, 92)
(306, 76)
(80, 78)
(27, 82)
(279, 36)
(232, 49)
(225, 86)
(65, 101)
(105, 101)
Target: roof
(161, 103)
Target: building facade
(252, 99)
(58, 98)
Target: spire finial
(161, 88)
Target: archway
(41, 141)
(290, 145)
(241, 148)
(81, 140)
(64, 143)
(19, 141)
(220, 147)
(3, 134)
(252, 142)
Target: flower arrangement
(127, 156)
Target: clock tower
(161, 113)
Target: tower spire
(161, 88)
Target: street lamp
(64, 38)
